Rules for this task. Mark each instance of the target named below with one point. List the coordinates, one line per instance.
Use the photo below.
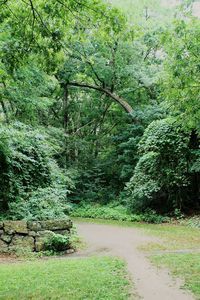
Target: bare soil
(150, 283)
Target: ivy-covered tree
(162, 177)
(28, 169)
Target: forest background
(99, 109)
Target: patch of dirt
(7, 258)
(150, 283)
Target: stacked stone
(30, 235)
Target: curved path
(150, 283)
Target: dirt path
(150, 283)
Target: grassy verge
(185, 266)
(76, 279)
(172, 237)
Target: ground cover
(185, 266)
(75, 279)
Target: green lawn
(75, 279)
(185, 266)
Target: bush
(57, 243)
(161, 178)
(118, 213)
(32, 186)
(43, 204)
(24, 163)
(107, 212)
(150, 216)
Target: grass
(97, 278)
(185, 266)
(173, 237)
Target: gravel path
(150, 283)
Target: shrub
(161, 177)
(43, 204)
(150, 216)
(119, 213)
(32, 185)
(107, 212)
(23, 162)
(57, 243)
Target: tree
(181, 77)
(162, 177)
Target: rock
(33, 233)
(3, 247)
(40, 241)
(39, 244)
(20, 241)
(63, 232)
(46, 233)
(70, 251)
(6, 238)
(56, 224)
(11, 227)
(34, 225)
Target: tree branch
(126, 106)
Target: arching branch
(126, 106)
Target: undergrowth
(118, 213)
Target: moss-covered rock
(33, 233)
(6, 238)
(41, 240)
(56, 224)
(20, 241)
(11, 227)
(31, 236)
(3, 247)
(34, 226)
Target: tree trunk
(65, 108)
(4, 111)
(65, 121)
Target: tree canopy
(98, 106)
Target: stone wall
(30, 235)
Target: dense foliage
(96, 107)
(32, 184)
(162, 177)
